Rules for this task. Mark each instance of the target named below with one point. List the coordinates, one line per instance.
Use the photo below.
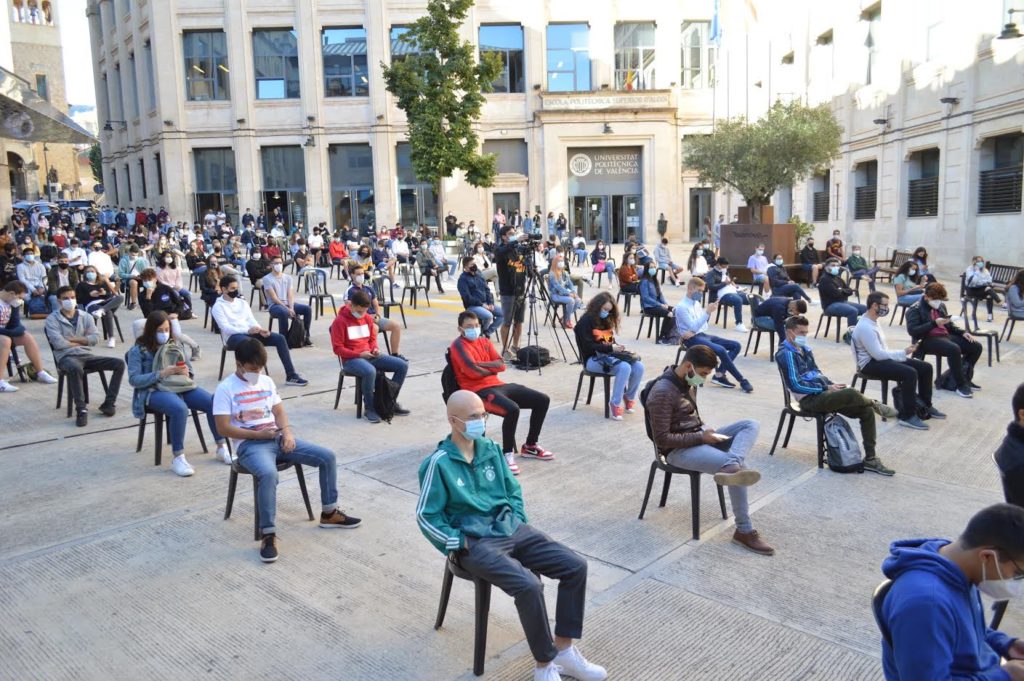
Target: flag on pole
(716, 28)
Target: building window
(216, 182)
(142, 176)
(206, 66)
(568, 56)
(147, 54)
(275, 54)
(923, 187)
(159, 175)
(133, 94)
(118, 93)
(117, 195)
(352, 198)
(698, 56)
(872, 15)
(820, 207)
(416, 199)
(128, 182)
(512, 156)
(32, 12)
(506, 41)
(634, 56)
(345, 72)
(865, 190)
(1002, 159)
(41, 87)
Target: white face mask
(935, 304)
(68, 304)
(1000, 589)
(278, 267)
(251, 377)
(162, 337)
(359, 279)
(17, 302)
(149, 284)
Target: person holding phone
(817, 394)
(931, 326)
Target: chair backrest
(877, 600)
(316, 282)
(408, 275)
(754, 300)
(900, 257)
(1003, 274)
(647, 422)
(787, 397)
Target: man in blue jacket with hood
(933, 618)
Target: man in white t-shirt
(248, 409)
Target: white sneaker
(182, 467)
(224, 454)
(572, 663)
(44, 377)
(111, 343)
(548, 672)
(739, 328)
(510, 459)
(815, 302)
(98, 314)
(6, 387)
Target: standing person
(834, 294)
(512, 290)
(164, 382)
(933, 618)
(692, 324)
(758, 266)
(98, 296)
(277, 287)
(1010, 455)
(723, 291)
(71, 333)
(599, 353)
(248, 409)
(683, 438)
(156, 296)
(483, 527)
(810, 261)
(562, 290)
(931, 327)
(652, 302)
(477, 297)
(716, 232)
(978, 284)
(14, 335)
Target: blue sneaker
(723, 381)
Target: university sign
(599, 101)
(618, 162)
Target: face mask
(471, 333)
(911, 273)
(1000, 589)
(472, 270)
(600, 247)
(697, 296)
(162, 337)
(694, 380)
(631, 261)
(90, 276)
(234, 294)
(17, 302)
(475, 429)
(801, 341)
(278, 268)
(834, 271)
(810, 244)
(62, 265)
(935, 304)
(479, 249)
(359, 279)
(68, 304)
(760, 251)
(980, 265)
(168, 261)
(256, 256)
(251, 377)
(30, 258)
(883, 311)
(778, 261)
(603, 314)
(835, 236)
(358, 315)
(149, 284)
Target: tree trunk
(755, 211)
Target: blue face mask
(697, 296)
(472, 333)
(801, 341)
(603, 314)
(358, 315)
(475, 429)
(778, 261)
(834, 271)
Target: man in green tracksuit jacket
(471, 508)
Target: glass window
(150, 81)
(512, 156)
(634, 56)
(345, 72)
(283, 168)
(133, 95)
(401, 46)
(698, 56)
(206, 66)
(568, 57)
(128, 179)
(41, 87)
(215, 170)
(507, 42)
(403, 161)
(352, 184)
(142, 174)
(159, 174)
(276, 62)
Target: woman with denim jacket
(563, 291)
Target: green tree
(440, 88)
(96, 161)
(756, 159)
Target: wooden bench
(795, 268)
(1002, 277)
(888, 268)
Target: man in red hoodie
(476, 365)
(354, 340)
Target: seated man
(14, 335)
(357, 275)
(1010, 455)
(773, 313)
(860, 268)
(782, 285)
(236, 323)
(692, 325)
(834, 294)
(248, 410)
(686, 441)
(482, 526)
(477, 297)
(129, 268)
(61, 275)
(757, 263)
(817, 394)
(932, 616)
(875, 360)
(354, 340)
(32, 274)
(810, 261)
(723, 291)
(935, 333)
(476, 365)
(277, 287)
(71, 332)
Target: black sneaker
(974, 386)
(875, 465)
(747, 388)
(401, 357)
(307, 342)
(337, 519)
(268, 548)
(914, 422)
(82, 419)
(371, 416)
(108, 409)
(935, 413)
(964, 392)
(723, 381)
(297, 380)
(400, 410)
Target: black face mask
(234, 294)
(473, 270)
(62, 265)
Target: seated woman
(156, 296)
(652, 300)
(98, 296)
(168, 273)
(924, 273)
(209, 283)
(600, 261)
(1015, 297)
(563, 291)
(978, 284)
(484, 265)
(908, 290)
(699, 258)
(163, 382)
(595, 337)
(629, 281)
(13, 334)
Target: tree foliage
(96, 162)
(756, 159)
(440, 88)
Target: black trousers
(961, 353)
(913, 375)
(75, 367)
(666, 323)
(506, 401)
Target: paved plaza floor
(112, 568)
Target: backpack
(920, 408)
(167, 355)
(532, 357)
(296, 334)
(946, 381)
(448, 382)
(843, 452)
(385, 396)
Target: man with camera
(511, 264)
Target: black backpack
(946, 381)
(385, 396)
(533, 356)
(920, 408)
(296, 334)
(448, 382)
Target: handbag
(599, 267)
(167, 355)
(626, 356)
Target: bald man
(471, 508)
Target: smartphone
(720, 437)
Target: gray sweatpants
(508, 563)
(707, 459)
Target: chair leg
(885, 391)
(590, 391)
(771, 347)
(818, 329)
(579, 389)
(223, 355)
(337, 394)
(142, 434)
(483, 608)
(695, 505)
(721, 501)
(778, 431)
(302, 486)
(446, 590)
(647, 493)
(232, 484)
(789, 430)
(255, 508)
(199, 431)
(750, 337)
(158, 426)
(359, 398)
(60, 387)
(664, 489)
(607, 396)
(819, 424)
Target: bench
(1003, 276)
(888, 268)
(796, 271)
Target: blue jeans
(736, 301)
(627, 377)
(489, 321)
(794, 291)
(367, 369)
(870, 274)
(581, 255)
(260, 457)
(571, 305)
(727, 351)
(274, 339)
(280, 313)
(176, 406)
(910, 298)
(849, 310)
(765, 323)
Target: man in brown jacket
(684, 439)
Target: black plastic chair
(858, 376)
(385, 290)
(14, 365)
(316, 286)
(594, 375)
(650, 319)
(756, 300)
(791, 408)
(628, 295)
(238, 469)
(159, 420)
(877, 599)
(412, 285)
(604, 272)
(902, 309)
(341, 384)
(1011, 321)
(117, 325)
(62, 377)
(223, 357)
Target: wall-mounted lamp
(310, 118)
(380, 117)
(108, 126)
(608, 129)
(953, 101)
(1010, 30)
(881, 121)
(240, 121)
(169, 124)
(536, 86)
(310, 142)
(604, 86)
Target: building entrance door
(626, 219)
(596, 226)
(508, 202)
(700, 208)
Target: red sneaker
(616, 411)
(630, 406)
(536, 452)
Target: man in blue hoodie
(932, 618)
(471, 509)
